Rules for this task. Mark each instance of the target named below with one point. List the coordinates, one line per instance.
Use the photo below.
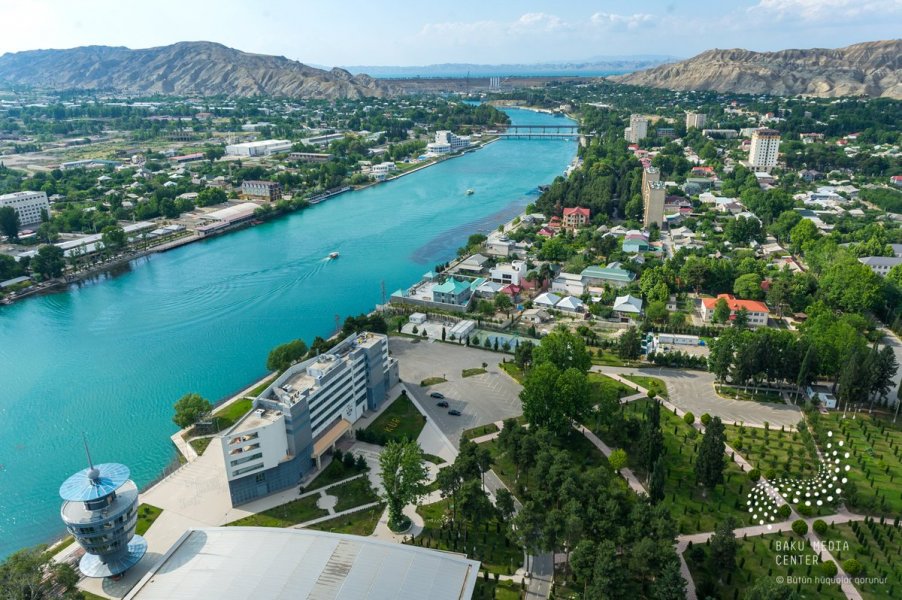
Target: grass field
(756, 558)
(513, 370)
(436, 460)
(398, 422)
(601, 385)
(650, 383)
(875, 448)
(492, 548)
(783, 452)
(292, 513)
(362, 522)
(334, 471)
(432, 381)
(476, 432)
(472, 372)
(353, 493)
(879, 550)
(200, 444)
(229, 415)
(693, 507)
(147, 514)
(489, 589)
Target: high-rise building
(652, 198)
(303, 413)
(637, 130)
(100, 510)
(697, 120)
(28, 205)
(764, 150)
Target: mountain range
(868, 69)
(184, 69)
(588, 67)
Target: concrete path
(334, 515)
(625, 472)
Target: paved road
(694, 391)
(482, 399)
(890, 339)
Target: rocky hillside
(869, 69)
(186, 68)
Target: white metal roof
(238, 563)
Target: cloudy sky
(392, 32)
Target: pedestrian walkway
(625, 472)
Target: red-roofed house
(896, 180)
(702, 171)
(554, 223)
(576, 217)
(758, 311)
(546, 232)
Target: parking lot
(481, 399)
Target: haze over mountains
(185, 68)
(588, 67)
(869, 69)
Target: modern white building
(28, 205)
(637, 130)
(509, 273)
(303, 413)
(381, 171)
(697, 120)
(260, 148)
(446, 142)
(571, 284)
(764, 150)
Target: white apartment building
(28, 205)
(568, 284)
(697, 120)
(261, 148)
(509, 273)
(381, 171)
(637, 130)
(446, 142)
(764, 149)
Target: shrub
(806, 510)
(770, 473)
(829, 568)
(705, 419)
(784, 511)
(754, 474)
(852, 567)
(689, 418)
(800, 527)
(820, 527)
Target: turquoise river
(110, 356)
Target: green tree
(709, 464)
(504, 502)
(804, 231)
(114, 238)
(9, 222)
(723, 547)
(564, 349)
(618, 459)
(851, 286)
(766, 588)
(283, 356)
(523, 354)
(49, 262)
(651, 440)
(657, 481)
(403, 479)
(748, 286)
(656, 311)
(629, 347)
(210, 196)
(721, 311)
(741, 319)
(189, 409)
(31, 574)
(503, 302)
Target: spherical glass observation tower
(100, 510)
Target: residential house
(576, 217)
(452, 291)
(880, 265)
(613, 276)
(571, 304)
(547, 300)
(569, 283)
(627, 307)
(513, 272)
(474, 264)
(536, 316)
(758, 312)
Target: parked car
(437, 395)
(443, 404)
(454, 412)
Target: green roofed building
(614, 276)
(452, 291)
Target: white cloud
(826, 10)
(532, 22)
(614, 21)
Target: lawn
(735, 393)
(875, 447)
(436, 460)
(200, 444)
(259, 389)
(758, 557)
(606, 357)
(649, 383)
(353, 494)
(775, 453)
(601, 385)
(432, 381)
(476, 432)
(147, 514)
(228, 416)
(400, 421)
(692, 507)
(472, 372)
(879, 550)
(362, 522)
(334, 471)
(492, 547)
(513, 370)
(489, 589)
(292, 513)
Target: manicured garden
(335, 471)
(200, 444)
(432, 381)
(757, 558)
(473, 372)
(489, 588)
(362, 522)
(356, 492)
(147, 514)
(292, 513)
(601, 386)
(513, 370)
(869, 551)
(875, 448)
(775, 452)
(400, 421)
(479, 431)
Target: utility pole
(337, 323)
(382, 286)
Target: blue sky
(392, 32)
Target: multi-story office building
(652, 198)
(265, 190)
(697, 120)
(28, 205)
(301, 415)
(764, 149)
(637, 130)
(446, 142)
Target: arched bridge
(540, 132)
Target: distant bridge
(532, 132)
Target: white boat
(470, 192)
(333, 255)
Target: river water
(110, 357)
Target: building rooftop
(239, 563)
(736, 304)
